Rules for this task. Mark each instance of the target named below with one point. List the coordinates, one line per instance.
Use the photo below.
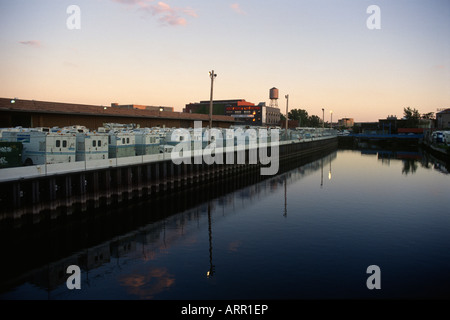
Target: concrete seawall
(42, 192)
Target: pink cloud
(190, 12)
(237, 8)
(166, 14)
(31, 43)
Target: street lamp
(287, 102)
(331, 124)
(212, 75)
(323, 118)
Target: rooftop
(33, 106)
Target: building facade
(141, 107)
(31, 113)
(443, 119)
(346, 122)
(244, 112)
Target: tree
(429, 115)
(412, 117)
(315, 121)
(304, 119)
(300, 115)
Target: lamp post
(212, 75)
(323, 118)
(331, 124)
(287, 103)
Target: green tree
(300, 115)
(412, 117)
(314, 121)
(429, 115)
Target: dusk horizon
(360, 62)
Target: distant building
(243, 111)
(270, 115)
(141, 107)
(219, 106)
(443, 119)
(31, 113)
(346, 122)
(366, 127)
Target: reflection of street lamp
(331, 124)
(329, 172)
(212, 268)
(321, 174)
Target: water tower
(273, 97)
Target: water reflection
(411, 157)
(148, 249)
(106, 245)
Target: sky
(332, 54)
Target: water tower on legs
(273, 97)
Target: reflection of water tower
(274, 97)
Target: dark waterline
(308, 233)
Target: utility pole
(331, 125)
(212, 75)
(287, 103)
(323, 118)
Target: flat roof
(33, 106)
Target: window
(99, 143)
(123, 140)
(94, 143)
(128, 140)
(64, 143)
(58, 143)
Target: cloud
(31, 43)
(237, 8)
(165, 14)
(191, 12)
(131, 2)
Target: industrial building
(346, 122)
(260, 115)
(443, 119)
(219, 106)
(30, 113)
(141, 107)
(242, 111)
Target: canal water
(310, 232)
